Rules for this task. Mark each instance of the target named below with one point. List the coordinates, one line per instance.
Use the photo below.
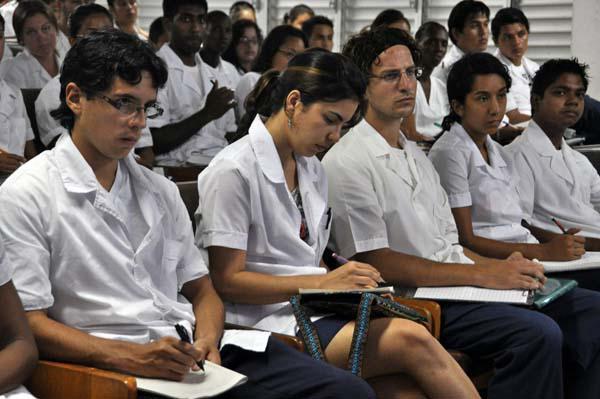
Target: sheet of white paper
(589, 260)
(473, 294)
(212, 382)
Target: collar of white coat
(174, 63)
(39, 68)
(378, 144)
(77, 175)
(496, 159)
(268, 158)
(8, 98)
(530, 66)
(543, 146)
(453, 55)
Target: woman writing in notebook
(475, 171)
(264, 220)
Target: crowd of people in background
(414, 152)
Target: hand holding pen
(184, 336)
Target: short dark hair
(319, 75)
(388, 17)
(427, 29)
(27, 9)
(551, 70)
(462, 76)
(364, 48)
(461, 12)
(296, 11)
(507, 16)
(309, 24)
(271, 45)
(171, 7)
(81, 13)
(237, 31)
(215, 14)
(97, 59)
(157, 28)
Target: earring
(290, 122)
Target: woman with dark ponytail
(474, 169)
(264, 220)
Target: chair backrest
(29, 97)
(189, 194)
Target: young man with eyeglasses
(103, 250)
(190, 130)
(391, 211)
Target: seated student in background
(280, 45)
(158, 35)
(391, 18)
(389, 210)
(213, 68)
(431, 101)
(319, 32)
(556, 181)
(510, 31)
(35, 27)
(187, 131)
(242, 10)
(18, 353)
(297, 15)
(106, 294)
(125, 13)
(86, 19)
(482, 188)
(16, 136)
(264, 220)
(245, 42)
(66, 8)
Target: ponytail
(449, 120)
(259, 101)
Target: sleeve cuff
(227, 239)
(460, 200)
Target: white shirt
(489, 189)
(7, 11)
(49, 128)
(383, 197)
(17, 393)
(62, 44)
(7, 52)
(429, 115)
(244, 87)
(227, 76)
(522, 78)
(443, 69)
(15, 128)
(25, 72)
(245, 204)
(560, 184)
(72, 255)
(181, 98)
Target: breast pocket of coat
(170, 260)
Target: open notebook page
(473, 294)
(589, 260)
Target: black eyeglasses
(412, 73)
(128, 107)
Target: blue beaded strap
(361, 330)
(307, 329)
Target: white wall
(586, 39)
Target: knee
(410, 334)
(543, 333)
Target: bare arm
(30, 150)
(590, 243)
(18, 353)
(561, 247)
(514, 116)
(412, 271)
(167, 358)
(236, 284)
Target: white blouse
(429, 115)
(489, 189)
(245, 204)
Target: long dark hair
(274, 40)
(237, 30)
(462, 76)
(319, 75)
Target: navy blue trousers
(589, 279)
(533, 352)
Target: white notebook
(474, 294)
(378, 290)
(214, 380)
(589, 260)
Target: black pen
(560, 226)
(184, 336)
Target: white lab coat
(25, 72)
(181, 98)
(560, 184)
(429, 115)
(489, 189)
(521, 81)
(244, 87)
(48, 127)
(245, 204)
(383, 197)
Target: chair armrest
(289, 340)
(429, 309)
(65, 380)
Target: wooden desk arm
(430, 309)
(64, 380)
